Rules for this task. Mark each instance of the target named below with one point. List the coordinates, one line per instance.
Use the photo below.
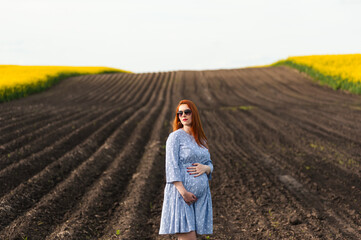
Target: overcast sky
(149, 36)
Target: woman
(187, 204)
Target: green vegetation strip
(333, 81)
(22, 90)
(234, 108)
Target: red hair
(196, 126)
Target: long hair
(196, 126)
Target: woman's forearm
(180, 187)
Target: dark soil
(85, 159)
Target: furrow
(265, 89)
(97, 95)
(85, 88)
(268, 223)
(320, 115)
(133, 85)
(20, 171)
(11, 113)
(32, 164)
(101, 197)
(113, 90)
(311, 88)
(222, 180)
(325, 178)
(136, 86)
(56, 96)
(26, 122)
(263, 191)
(309, 199)
(294, 155)
(323, 131)
(230, 158)
(120, 87)
(282, 87)
(312, 135)
(124, 93)
(28, 130)
(25, 146)
(130, 217)
(71, 89)
(14, 203)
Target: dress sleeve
(172, 159)
(209, 163)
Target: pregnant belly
(196, 185)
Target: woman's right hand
(189, 198)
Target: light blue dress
(177, 216)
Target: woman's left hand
(198, 169)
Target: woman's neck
(188, 129)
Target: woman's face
(186, 116)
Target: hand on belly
(196, 185)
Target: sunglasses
(186, 112)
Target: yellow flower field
(11, 75)
(338, 71)
(346, 66)
(19, 81)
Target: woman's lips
(184, 119)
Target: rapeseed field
(337, 71)
(19, 81)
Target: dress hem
(186, 232)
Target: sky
(165, 35)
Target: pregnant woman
(187, 204)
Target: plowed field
(85, 159)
